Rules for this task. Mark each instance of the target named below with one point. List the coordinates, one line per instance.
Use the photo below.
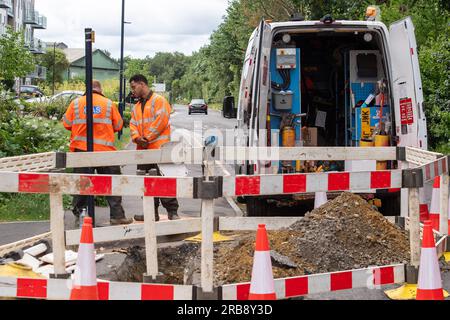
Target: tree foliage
(54, 60)
(15, 59)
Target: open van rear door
(411, 123)
(245, 103)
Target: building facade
(21, 15)
(103, 66)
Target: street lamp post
(122, 39)
(54, 66)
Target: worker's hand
(142, 142)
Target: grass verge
(27, 207)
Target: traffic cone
(435, 209)
(320, 199)
(262, 286)
(424, 210)
(84, 284)
(430, 282)
(447, 253)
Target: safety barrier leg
(409, 290)
(151, 246)
(444, 222)
(58, 237)
(404, 196)
(207, 265)
(443, 229)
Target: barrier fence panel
(31, 163)
(435, 169)
(420, 157)
(216, 187)
(257, 185)
(52, 289)
(370, 278)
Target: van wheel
(256, 207)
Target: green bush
(24, 132)
(53, 110)
(435, 67)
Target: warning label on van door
(366, 131)
(406, 111)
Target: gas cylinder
(288, 137)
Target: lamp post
(122, 39)
(54, 66)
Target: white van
(330, 81)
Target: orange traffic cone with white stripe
(320, 199)
(424, 209)
(430, 282)
(262, 286)
(435, 209)
(84, 284)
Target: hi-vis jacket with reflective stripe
(107, 121)
(153, 123)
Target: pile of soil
(172, 262)
(344, 234)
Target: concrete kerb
(58, 184)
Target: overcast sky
(163, 25)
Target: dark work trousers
(115, 203)
(171, 204)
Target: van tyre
(256, 207)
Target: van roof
(375, 24)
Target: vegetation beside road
(35, 128)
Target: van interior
(338, 79)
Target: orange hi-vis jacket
(107, 121)
(152, 122)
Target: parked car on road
(64, 96)
(198, 106)
(28, 92)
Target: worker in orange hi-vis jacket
(107, 121)
(150, 129)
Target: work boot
(140, 217)
(174, 216)
(120, 221)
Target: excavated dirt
(346, 233)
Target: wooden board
(136, 231)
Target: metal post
(54, 66)
(89, 110)
(122, 39)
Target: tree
(54, 61)
(136, 66)
(16, 61)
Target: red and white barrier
(435, 169)
(51, 289)
(323, 283)
(435, 208)
(310, 183)
(96, 185)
